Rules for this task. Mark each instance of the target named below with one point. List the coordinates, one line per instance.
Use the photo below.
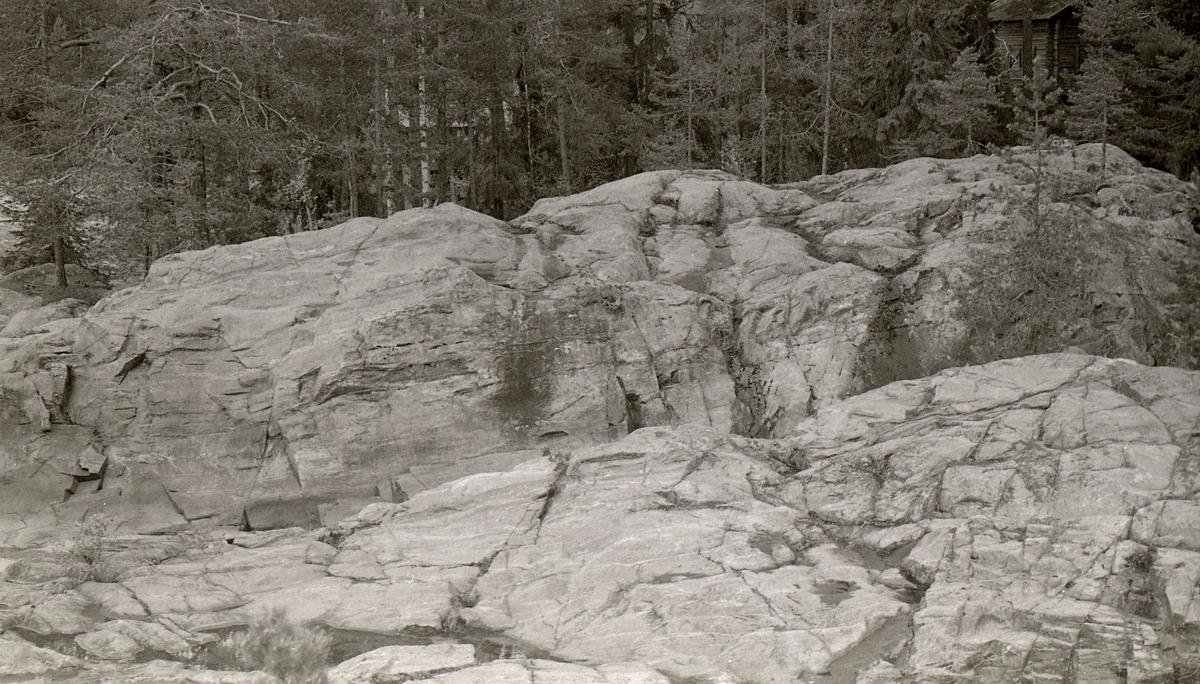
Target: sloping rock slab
(660, 549)
(1049, 487)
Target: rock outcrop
(681, 427)
(273, 383)
(1026, 520)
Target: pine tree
(1099, 103)
(1036, 106)
(1036, 109)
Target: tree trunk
(1104, 143)
(718, 115)
(1027, 40)
(445, 137)
(377, 121)
(828, 93)
(791, 29)
(472, 196)
(200, 156)
(423, 133)
(762, 91)
(202, 194)
(527, 105)
(495, 197)
(60, 262)
(648, 43)
(562, 144)
(691, 136)
(351, 180)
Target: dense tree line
(135, 128)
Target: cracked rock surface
(1026, 520)
(677, 428)
(289, 380)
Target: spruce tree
(1099, 102)
(1036, 107)
(958, 112)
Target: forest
(131, 129)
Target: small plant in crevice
(88, 556)
(1140, 599)
(1141, 560)
(607, 294)
(334, 537)
(275, 644)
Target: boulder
(109, 645)
(1034, 480)
(282, 396)
(24, 322)
(21, 659)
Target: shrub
(1029, 287)
(274, 644)
(1141, 559)
(1055, 276)
(87, 556)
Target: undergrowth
(88, 557)
(1054, 277)
(1029, 287)
(273, 643)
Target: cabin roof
(1014, 10)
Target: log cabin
(1056, 35)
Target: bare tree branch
(77, 42)
(208, 109)
(100, 83)
(239, 15)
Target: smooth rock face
(694, 572)
(19, 658)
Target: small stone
(881, 672)
(662, 214)
(255, 540)
(783, 555)
(109, 645)
(886, 540)
(320, 553)
(892, 578)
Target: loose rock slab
(402, 663)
